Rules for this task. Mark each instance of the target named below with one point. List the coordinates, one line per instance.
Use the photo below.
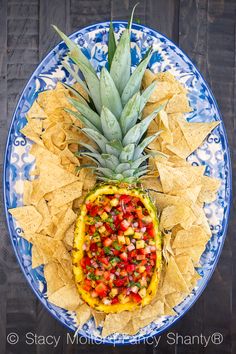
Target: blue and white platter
(214, 154)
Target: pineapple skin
(77, 253)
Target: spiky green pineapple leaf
(121, 63)
(75, 76)
(87, 146)
(110, 97)
(140, 148)
(134, 83)
(130, 113)
(146, 94)
(98, 138)
(127, 153)
(139, 161)
(111, 44)
(110, 160)
(110, 126)
(75, 52)
(82, 119)
(87, 112)
(75, 93)
(132, 16)
(93, 85)
(122, 167)
(114, 147)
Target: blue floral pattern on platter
(214, 154)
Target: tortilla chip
(177, 214)
(66, 194)
(99, 317)
(164, 90)
(190, 194)
(53, 177)
(83, 314)
(54, 282)
(148, 78)
(173, 280)
(163, 200)
(115, 322)
(28, 218)
(193, 237)
(64, 224)
(209, 188)
(195, 133)
(69, 237)
(66, 297)
(167, 249)
(29, 132)
(195, 252)
(175, 178)
(178, 103)
(175, 298)
(37, 258)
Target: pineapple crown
(112, 115)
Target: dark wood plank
(209, 40)
(163, 15)
(3, 129)
(52, 12)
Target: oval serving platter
(214, 154)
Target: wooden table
(205, 30)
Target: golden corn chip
(173, 279)
(185, 265)
(43, 155)
(29, 219)
(69, 237)
(66, 194)
(54, 282)
(175, 178)
(175, 298)
(63, 225)
(164, 200)
(178, 103)
(81, 90)
(115, 322)
(99, 317)
(190, 194)
(53, 177)
(148, 78)
(209, 188)
(29, 132)
(176, 214)
(195, 252)
(167, 249)
(194, 236)
(42, 208)
(37, 258)
(66, 297)
(83, 314)
(195, 133)
(164, 90)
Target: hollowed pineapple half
(122, 244)
(112, 117)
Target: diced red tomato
(124, 225)
(87, 285)
(98, 272)
(107, 208)
(89, 206)
(104, 260)
(93, 247)
(92, 229)
(94, 210)
(115, 300)
(101, 289)
(106, 275)
(136, 297)
(120, 282)
(85, 262)
(124, 256)
(130, 268)
(107, 242)
(108, 228)
(125, 198)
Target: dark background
(206, 31)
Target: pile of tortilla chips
(53, 195)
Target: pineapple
(117, 243)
